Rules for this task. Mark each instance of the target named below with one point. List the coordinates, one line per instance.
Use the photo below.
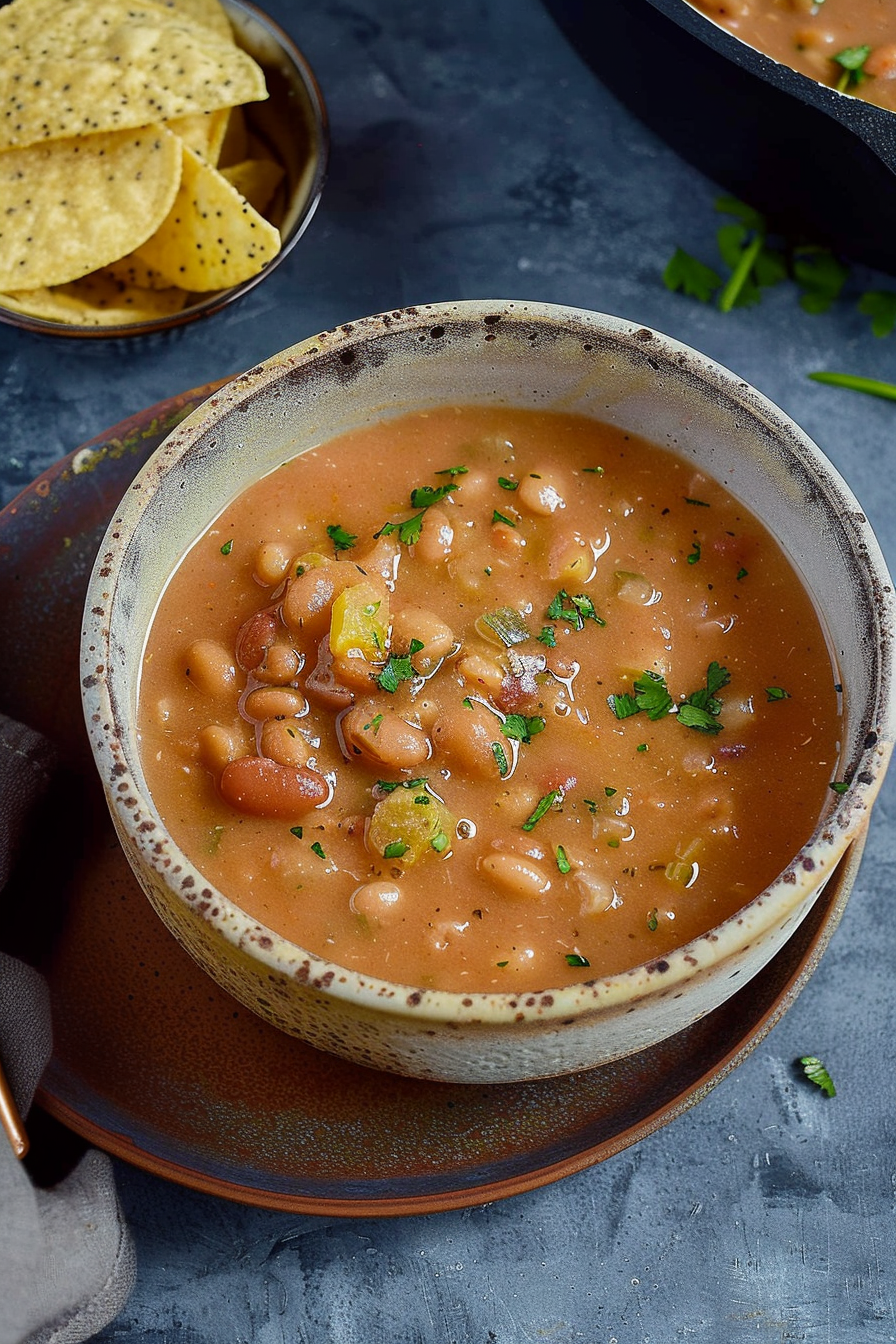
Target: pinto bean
(419, 623)
(282, 741)
(436, 537)
(384, 738)
(217, 747)
(465, 736)
(210, 666)
(515, 874)
(274, 702)
(377, 901)
(541, 493)
(280, 665)
(265, 788)
(310, 595)
(272, 560)
(256, 636)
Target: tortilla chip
(78, 67)
(71, 206)
(210, 13)
(256, 180)
(98, 300)
(211, 238)
(203, 131)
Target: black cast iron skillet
(820, 165)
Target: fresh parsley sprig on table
(754, 263)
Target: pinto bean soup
(486, 699)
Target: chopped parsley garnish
(700, 503)
(840, 785)
(563, 862)
(548, 636)
(651, 697)
(373, 725)
(500, 756)
(851, 61)
(507, 483)
(502, 518)
(342, 540)
(575, 610)
(594, 471)
(399, 668)
(609, 791)
(227, 547)
(776, 693)
(422, 497)
(297, 831)
(742, 573)
(390, 785)
(576, 959)
(542, 806)
(452, 471)
(695, 554)
(642, 746)
(395, 849)
(502, 964)
(652, 920)
(701, 709)
(318, 849)
(816, 1072)
(522, 728)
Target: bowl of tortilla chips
(158, 158)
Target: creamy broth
(810, 36)
(488, 699)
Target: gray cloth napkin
(67, 1261)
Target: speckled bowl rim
(303, 213)
(843, 821)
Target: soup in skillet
(488, 699)
(847, 44)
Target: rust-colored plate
(155, 1064)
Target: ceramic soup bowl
(490, 353)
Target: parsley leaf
(500, 756)
(547, 637)
(773, 693)
(821, 277)
(851, 61)
(574, 610)
(694, 278)
(399, 668)
(576, 959)
(541, 807)
(652, 696)
(342, 540)
(424, 496)
(522, 729)
(880, 306)
(816, 1072)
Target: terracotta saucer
(156, 1065)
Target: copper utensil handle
(10, 1119)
